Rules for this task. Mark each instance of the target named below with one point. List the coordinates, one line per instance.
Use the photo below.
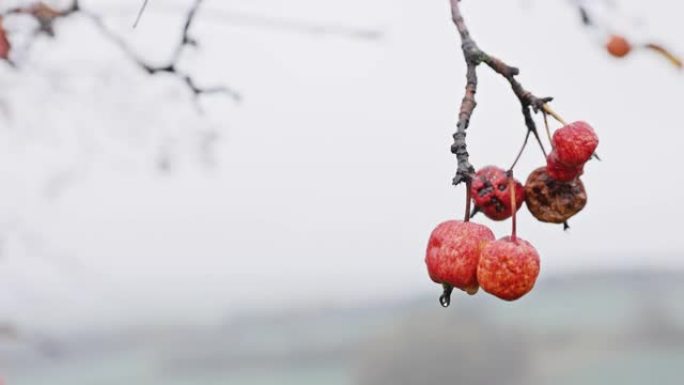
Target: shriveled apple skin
(553, 201)
(453, 253)
(575, 144)
(508, 268)
(491, 193)
(561, 172)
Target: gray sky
(332, 172)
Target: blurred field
(601, 328)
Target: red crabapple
(508, 268)
(491, 192)
(559, 171)
(453, 253)
(618, 46)
(575, 144)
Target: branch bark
(474, 56)
(47, 16)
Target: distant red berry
(508, 268)
(559, 171)
(492, 195)
(618, 46)
(453, 253)
(575, 143)
(5, 45)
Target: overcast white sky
(332, 172)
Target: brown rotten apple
(553, 201)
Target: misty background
(285, 232)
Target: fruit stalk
(672, 58)
(469, 198)
(546, 108)
(511, 186)
(522, 150)
(548, 130)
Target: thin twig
(140, 13)
(522, 149)
(47, 16)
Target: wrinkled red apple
(508, 268)
(491, 193)
(453, 253)
(575, 144)
(561, 172)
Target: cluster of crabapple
(465, 255)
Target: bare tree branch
(46, 17)
(474, 56)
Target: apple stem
(445, 298)
(672, 58)
(522, 149)
(511, 186)
(553, 113)
(548, 130)
(468, 202)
